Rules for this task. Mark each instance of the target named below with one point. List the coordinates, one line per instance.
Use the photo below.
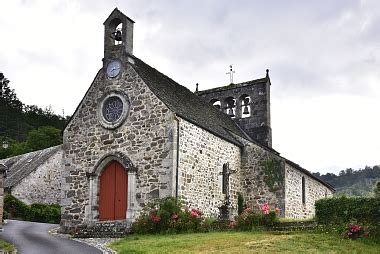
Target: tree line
(352, 182)
(25, 128)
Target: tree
(376, 190)
(43, 137)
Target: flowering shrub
(355, 231)
(167, 215)
(249, 220)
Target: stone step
(295, 226)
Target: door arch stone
(92, 210)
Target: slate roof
(187, 105)
(22, 165)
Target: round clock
(113, 68)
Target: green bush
(17, 209)
(343, 210)
(167, 215)
(336, 214)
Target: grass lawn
(243, 242)
(4, 246)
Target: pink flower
(195, 213)
(354, 228)
(265, 208)
(174, 216)
(155, 218)
(232, 224)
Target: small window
(224, 178)
(303, 191)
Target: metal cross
(231, 73)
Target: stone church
(137, 135)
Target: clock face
(113, 68)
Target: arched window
(216, 103)
(245, 106)
(231, 106)
(303, 191)
(118, 34)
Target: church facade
(137, 135)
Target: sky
(323, 57)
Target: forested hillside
(351, 182)
(25, 128)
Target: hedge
(17, 209)
(342, 210)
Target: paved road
(33, 238)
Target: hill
(351, 182)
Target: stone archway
(95, 186)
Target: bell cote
(118, 35)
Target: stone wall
(258, 124)
(42, 185)
(145, 139)
(201, 159)
(314, 190)
(3, 169)
(260, 185)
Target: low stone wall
(3, 169)
(100, 229)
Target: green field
(244, 242)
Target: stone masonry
(43, 185)
(294, 207)
(257, 124)
(254, 178)
(3, 170)
(145, 138)
(201, 160)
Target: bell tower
(248, 104)
(118, 35)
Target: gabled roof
(22, 165)
(187, 105)
(115, 14)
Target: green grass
(4, 246)
(243, 242)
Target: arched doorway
(113, 192)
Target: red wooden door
(113, 192)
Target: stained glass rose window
(112, 109)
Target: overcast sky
(323, 56)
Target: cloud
(323, 60)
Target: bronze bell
(117, 35)
(231, 112)
(246, 111)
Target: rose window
(113, 109)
